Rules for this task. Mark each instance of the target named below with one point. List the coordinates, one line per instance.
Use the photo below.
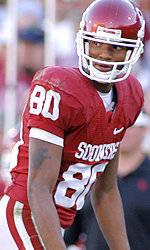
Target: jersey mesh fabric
(84, 125)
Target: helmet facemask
(120, 70)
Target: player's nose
(105, 53)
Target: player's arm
(44, 166)
(108, 208)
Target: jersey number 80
(45, 103)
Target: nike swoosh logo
(117, 131)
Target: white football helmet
(116, 22)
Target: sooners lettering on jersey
(67, 109)
(96, 152)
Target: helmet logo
(108, 33)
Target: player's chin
(120, 67)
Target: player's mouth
(103, 67)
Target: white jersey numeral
(45, 103)
(78, 186)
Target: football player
(71, 129)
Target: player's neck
(101, 87)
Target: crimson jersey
(64, 108)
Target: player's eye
(95, 44)
(117, 47)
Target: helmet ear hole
(115, 28)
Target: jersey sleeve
(137, 100)
(52, 112)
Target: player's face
(106, 52)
